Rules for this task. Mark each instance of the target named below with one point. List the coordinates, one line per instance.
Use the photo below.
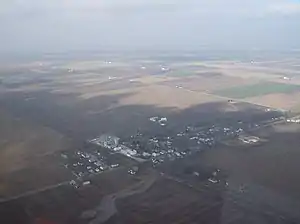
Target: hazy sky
(61, 25)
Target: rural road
(28, 193)
(223, 97)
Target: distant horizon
(55, 26)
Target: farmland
(51, 109)
(259, 89)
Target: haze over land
(105, 130)
(149, 112)
(29, 26)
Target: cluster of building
(83, 164)
(174, 145)
(195, 138)
(160, 120)
(112, 143)
(78, 183)
(106, 141)
(293, 120)
(159, 149)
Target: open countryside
(122, 138)
(260, 89)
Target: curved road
(107, 208)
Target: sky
(64, 25)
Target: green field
(259, 89)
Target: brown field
(41, 173)
(201, 83)
(38, 119)
(65, 204)
(253, 69)
(279, 100)
(91, 79)
(170, 202)
(25, 148)
(144, 90)
(22, 143)
(166, 96)
(272, 164)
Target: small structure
(111, 78)
(286, 78)
(164, 69)
(249, 139)
(163, 121)
(196, 174)
(154, 119)
(213, 180)
(64, 156)
(86, 183)
(74, 184)
(106, 141)
(133, 170)
(146, 155)
(127, 151)
(114, 165)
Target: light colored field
(296, 108)
(166, 96)
(277, 100)
(92, 64)
(255, 70)
(25, 88)
(153, 79)
(95, 79)
(249, 73)
(255, 66)
(93, 87)
(197, 83)
(142, 90)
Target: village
(107, 151)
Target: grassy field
(259, 89)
